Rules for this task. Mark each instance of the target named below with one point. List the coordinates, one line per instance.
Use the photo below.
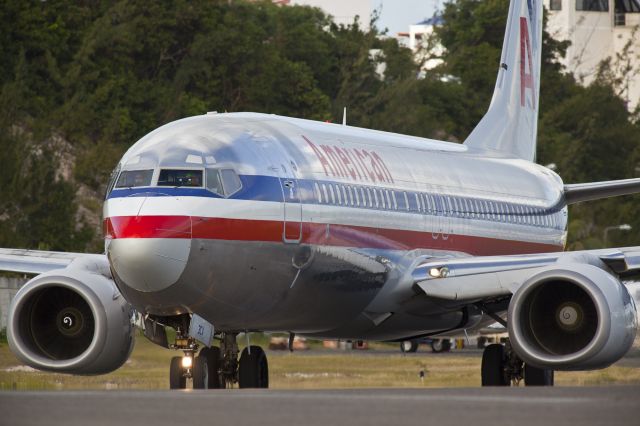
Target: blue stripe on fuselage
(256, 188)
(270, 188)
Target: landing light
(441, 272)
(187, 362)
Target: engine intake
(71, 321)
(572, 317)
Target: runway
(616, 405)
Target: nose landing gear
(218, 367)
(189, 366)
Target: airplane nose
(149, 264)
(145, 262)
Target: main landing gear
(502, 367)
(218, 367)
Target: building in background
(598, 29)
(9, 286)
(418, 39)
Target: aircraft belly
(269, 286)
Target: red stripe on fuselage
(312, 233)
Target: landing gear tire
(200, 372)
(407, 346)
(534, 376)
(493, 366)
(441, 345)
(254, 369)
(176, 374)
(212, 355)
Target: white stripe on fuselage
(329, 214)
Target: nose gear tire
(176, 376)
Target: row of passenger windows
(435, 205)
(223, 182)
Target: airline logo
(527, 81)
(359, 165)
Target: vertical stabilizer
(510, 125)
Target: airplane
(223, 224)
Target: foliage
(99, 75)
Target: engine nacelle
(71, 321)
(572, 317)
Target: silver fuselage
(327, 225)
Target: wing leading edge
(38, 262)
(575, 193)
(494, 276)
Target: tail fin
(510, 125)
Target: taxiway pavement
(617, 405)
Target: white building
(598, 29)
(417, 39)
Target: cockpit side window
(224, 182)
(112, 180)
(189, 178)
(230, 181)
(213, 182)
(134, 178)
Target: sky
(397, 15)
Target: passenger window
(381, 195)
(393, 199)
(388, 198)
(213, 182)
(362, 197)
(344, 194)
(189, 178)
(317, 190)
(355, 195)
(418, 202)
(338, 194)
(406, 201)
(369, 197)
(375, 196)
(324, 192)
(134, 178)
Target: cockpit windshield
(134, 178)
(190, 178)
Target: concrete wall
(8, 289)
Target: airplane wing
(575, 193)
(478, 278)
(38, 262)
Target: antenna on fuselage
(344, 116)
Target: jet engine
(71, 321)
(572, 317)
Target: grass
(148, 369)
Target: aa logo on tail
(526, 66)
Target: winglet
(510, 125)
